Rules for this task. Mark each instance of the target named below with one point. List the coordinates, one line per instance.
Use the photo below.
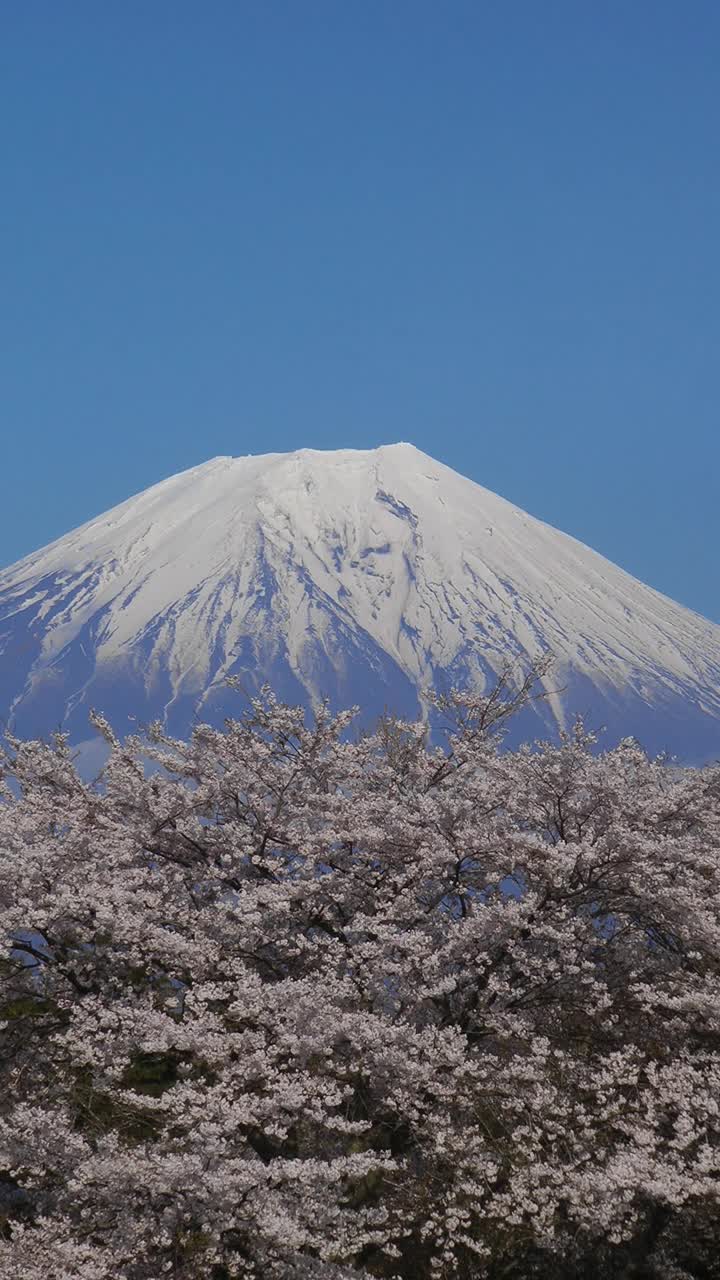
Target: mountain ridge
(346, 572)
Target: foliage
(293, 1004)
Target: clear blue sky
(492, 229)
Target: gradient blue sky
(492, 229)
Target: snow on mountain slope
(363, 575)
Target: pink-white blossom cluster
(289, 1001)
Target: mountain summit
(365, 576)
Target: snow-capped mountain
(366, 576)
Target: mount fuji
(363, 576)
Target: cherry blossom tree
(288, 1001)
